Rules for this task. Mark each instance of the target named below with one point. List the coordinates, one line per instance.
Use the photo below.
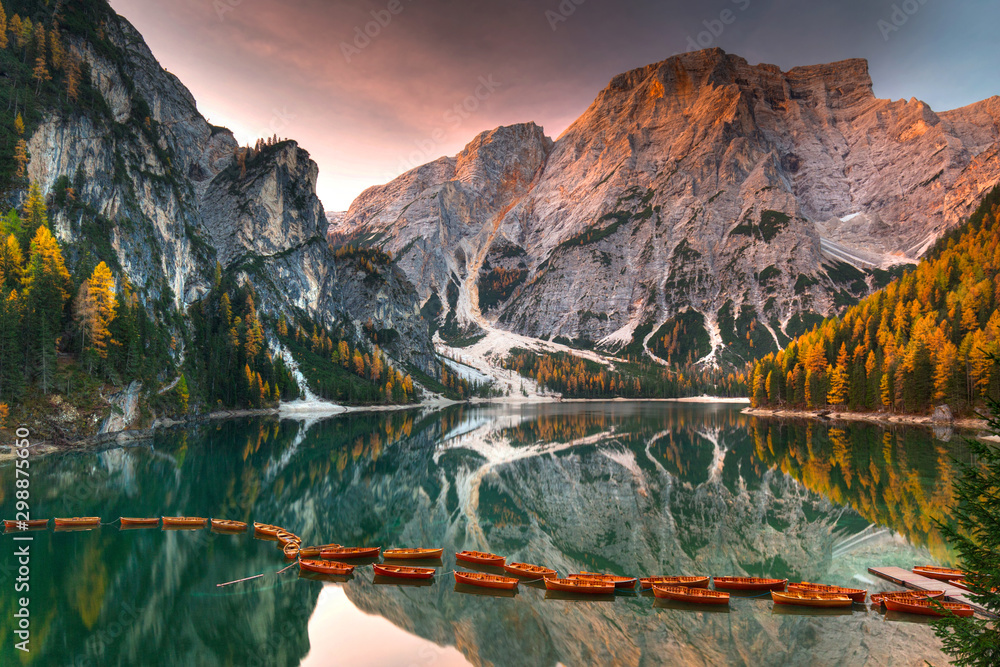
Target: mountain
(137, 178)
(741, 203)
(928, 339)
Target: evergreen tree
(11, 359)
(46, 287)
(840, 381)
(11, 263)
(35, 213)
(183, 394)
(3, 27)
(976, 537)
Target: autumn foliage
(926, 339)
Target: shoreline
(322, 409)
(882, 418)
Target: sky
(373, 88)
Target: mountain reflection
(639, 488)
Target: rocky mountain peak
(746, 199)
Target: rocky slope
(759, 199)
(161, 198)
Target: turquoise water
(631, 488)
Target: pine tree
(35, 212)
(11, 357)
(976, 537)
(56, 51)
(16, 27)
(95, 309)
(21, 158)
(3, 27)
(840, 381)
(46, 287)
(72, 77)
(11, 263)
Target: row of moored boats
(330, 559)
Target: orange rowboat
(939, 573)
(314, 552)
(401, 572)
(78, 521)
(645, 583)
(285, 537)
(811, 599)
(291, 551)
(486, 580)
(880, 598)
(689, 594)
(335, 553)
(413, 554)
(528, 570)
(326, 567)
(964, 585)
(619, 582)
(481, 558)
(927, 607)
(749, 583)
(265, 529)
(131, 521)
(584, 586)
(856, 594)
(228, 526)
(184, 522)
(33, 524)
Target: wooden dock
(898, 575)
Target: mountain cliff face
(160, 196)
(759, 199)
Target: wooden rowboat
(811, 599)
(856, 594)
(645, 583)
(964, 585)
(132, 521)
(291, 551)
(627, 583)
(78, 521)
(939, 573)
(184, 522)
(326, 567)
(265, 530)
(584, 586)
(528, 570)
(285, 537)
(344, 553)
(401, 572)
(878, 599)
(481, 558)
(486, 580)
(32, 524)
(927, 607)
(228, 526)
(749, 583)
(690, 594)
(314, 552)
(413, 554)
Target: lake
(629, 488)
